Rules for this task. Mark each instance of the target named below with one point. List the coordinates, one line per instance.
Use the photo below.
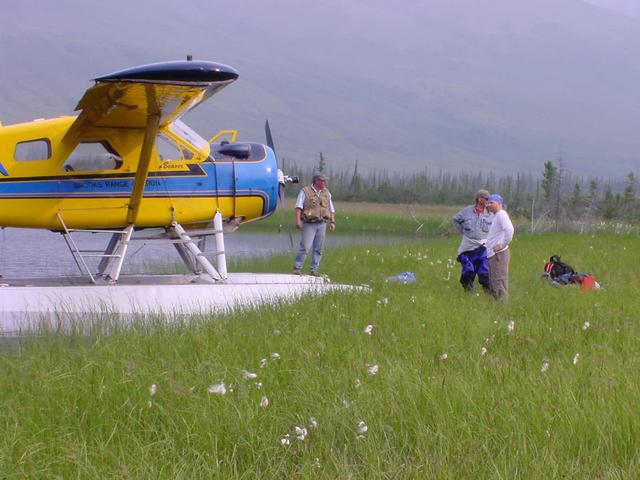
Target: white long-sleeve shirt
(500, 233)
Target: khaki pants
(499, 274)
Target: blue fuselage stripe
(204, 179)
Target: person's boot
(296, 271)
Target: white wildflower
(153, 389)
(249, 375)
(264, 402)
(263, 362)
(345, 403)
(258, 385)
(218, 388)
(316, 464)
(511, 326)
(413, 299)
(368, 329)
(360, 437)
(444, 356)
(284, 441)
(586, 325)
(576, 357)
(313, 423)
(275, 356)
(373, 369)
(301, 433)
(362, 428)
(545, 366)
(149, 404)
(357, 383)
(483, 351)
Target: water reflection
(29, 253)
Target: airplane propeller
(283, 179)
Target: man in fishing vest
(473, 223)
(314, 210)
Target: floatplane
(127, 163)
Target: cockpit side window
(33, 150)
(92, 156)
(169, 150)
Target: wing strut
(150, 134)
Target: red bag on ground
(588, 282)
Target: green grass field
(457, 392)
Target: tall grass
(80, 406)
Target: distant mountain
(628, 7)
(499, 85)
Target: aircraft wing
(148, 97)
(125, 99)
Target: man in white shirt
(500, 235)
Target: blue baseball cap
(494, 197)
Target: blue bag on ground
(404, 277)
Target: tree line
(553, 194)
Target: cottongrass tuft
(249, 375)
(153, 388)
(373, 369)
(301, 433)
(586, 325)
(545, 366)
(362, 427)
(313, 423)
(316, 464)
(264, 402)
(576, 357)
(275, 356)
(511, 326)
(357, 383)
(444, 356)
(217, 389)
(284, 441)
(368, 329)
(263, 362)
(258, 385)
(483, 351)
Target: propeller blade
(267, 132)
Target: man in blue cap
(500, 235)
(473, 223)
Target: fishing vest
(316, 205)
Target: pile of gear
(559, 273)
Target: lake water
(28, 253)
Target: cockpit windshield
(182, 130)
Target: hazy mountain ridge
(459, 84)
(627, 7)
